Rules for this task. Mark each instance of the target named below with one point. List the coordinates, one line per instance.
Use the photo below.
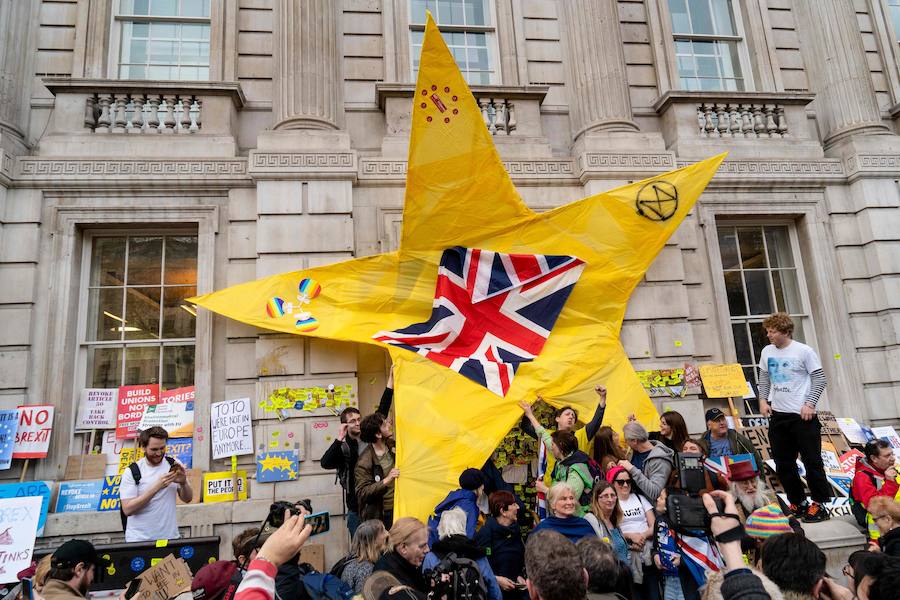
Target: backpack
(595, 474)
(857, 508)
(338, 569)
(456, 578)
(136, 474)
(325, 586)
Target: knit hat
(741, 471)
(378, 583)
(471, 479)
(611, 474)
(767, 522)
(213, 579)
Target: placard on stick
(232, 431)
(18, 526)
(97, 409)
(33, 434)
(723, 381)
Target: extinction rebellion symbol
(657, 200)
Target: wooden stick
(24, 469)
(91, 442)
(735, 415)
(234, 477)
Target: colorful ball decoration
(309, 287)
(275, 307)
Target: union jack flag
(491, 312)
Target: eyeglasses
(879, 517)
(622, 481)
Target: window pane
(140, 30)
(418, 8)
(179, 317)
(142, 313)
(163, 52)
(165, 8)
(681, 23)
(476, 13)
(734, 289)
(779, 247)
(758, 292)
(136, 52)
(742, 348)
(895, 17)
(701, 19)
(787, 292)
(181, 260)
(145, 261)
(758, 338)
(105, 308)
(751, 243)
(104, 367)
(178, 366)
(728, 248)
(108, 261)
(195, 8)
(141, 365)
(723, 19)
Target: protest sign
(723, 381)
(166, 579)
(755, 421)
(111, 447)
(218, 487)
(852, 431)
(28, 489)
(182, 394)
(886, 433)
(97, 409)
(78, 496)
(133, 401)
(33, 433)
(109, 493)
(85, 466)
(830, 460)
(9, 424)
(232, 433)
(277, 466)
(848, 461)
(18, 525)
(829, 423)
(841, 484)
(182, 450)
(663, 382)
(177, 418)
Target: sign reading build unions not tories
(133, 401)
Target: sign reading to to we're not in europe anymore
(232, 433)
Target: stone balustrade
(700, 123)
(499, 114)
(138, 110)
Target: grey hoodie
(652, 479)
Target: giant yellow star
(459, 194)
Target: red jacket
(864, 483)
(258, 582)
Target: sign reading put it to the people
(219, 487)
(723, 381)
(232, 432)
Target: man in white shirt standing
(149, 502)
(791, 381)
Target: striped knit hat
(767, 522)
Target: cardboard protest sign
(33, 433)
(166, 579)
(195, 479)
(9, 424)
(831, 461)
(133, 401)
(841, 484)
(97, 409)
(852, 431)
(232, 432)
(111, 447)
(177, 418)
(109, 493)
(218, 487)
(829, 423)
(723, 381)
(886, 433)
(78, 496)
(27, 489)
(277, 466)
(85, 466)
(18, 525)
(755, 421)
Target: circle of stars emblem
(657, 200)
(439, 104)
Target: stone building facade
(153, 149)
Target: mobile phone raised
(320, 521)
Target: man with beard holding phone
(73, 568)
(148, 490)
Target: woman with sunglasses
(605, 516)
(637, 525)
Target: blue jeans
(352, 522)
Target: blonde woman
(408, 544)
(370, 541)
(565, 520)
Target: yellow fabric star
(459, 194)
(271, 462)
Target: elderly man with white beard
(748, 488)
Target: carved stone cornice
(330, 165)
(65, 171)
(872, 165)
(624, 161)
(765, 173)
(523, 171)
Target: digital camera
(685, 507)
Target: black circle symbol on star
(657, 200)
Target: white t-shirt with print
(156, 521)
(789, 370)
(635, 514)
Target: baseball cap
(714, 413)
(73, 552)
(212, 579)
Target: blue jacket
(464, 548)
(574, 528)
(464, 499)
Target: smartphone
(320, 521)
(133, 586)
(174, 467)
(27, 589)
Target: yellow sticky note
(678, 343)
(162, 543)
(276, 433)
(155, 561)
(273, 444)
(837, 357)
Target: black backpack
(136, 474)
(456, 578)
(594, 472)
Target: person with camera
(875, 476)
(651, 462)
(452, 544)
(148, 489)
(344, 452)
(791, 381)
(375, 472)
(280, 547)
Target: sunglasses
(622, 481)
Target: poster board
(218, 486)
(133, 400)
(85, 466)
(18, 525)
(97, 409)
(723, 381)
(9, 424)
(888, 434)
(166, 579)
(182, 394)
(232, 429)
(177, 418)
(28, 489)
(277, 465)
(33, 433)
(109, 493)
(78, 496)
(852, 431)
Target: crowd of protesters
(607, 532)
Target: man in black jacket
(346, 448)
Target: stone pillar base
(302, 140)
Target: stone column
(598, 90)
(308, 91)
(838, 72)
(14, 53)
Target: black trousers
(790, 436)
